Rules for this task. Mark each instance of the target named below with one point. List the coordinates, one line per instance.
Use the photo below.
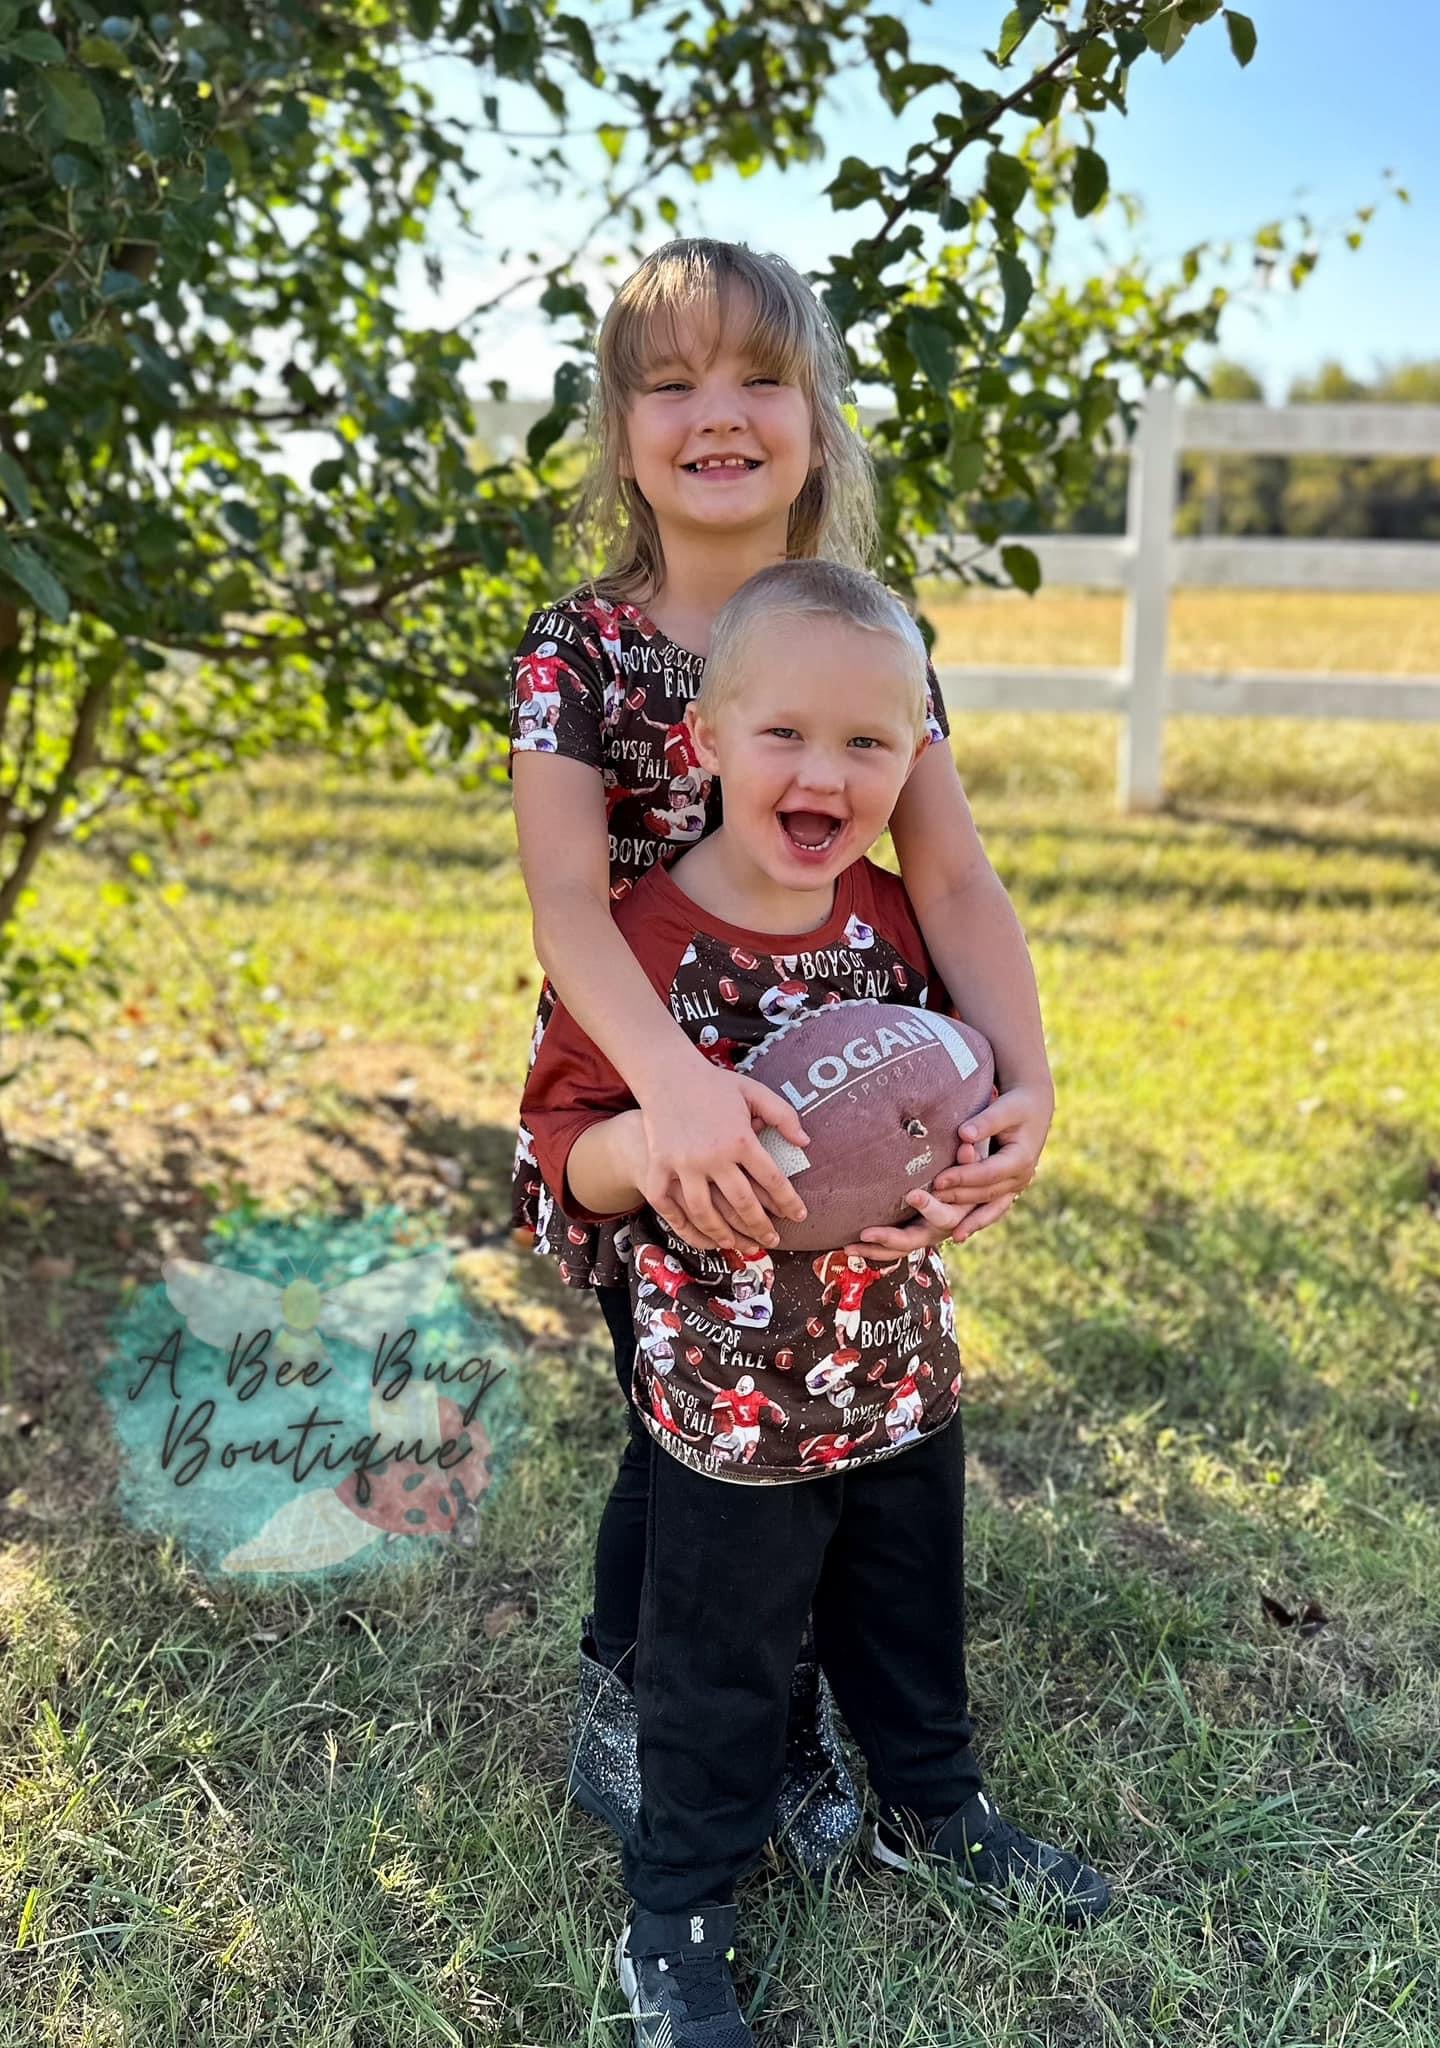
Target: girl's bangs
(709, 292)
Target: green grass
(1202, 1366)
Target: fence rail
(1147, 562)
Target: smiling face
(718, 440)
(812, 748)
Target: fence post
(1149, 519)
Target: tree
(206, 212)
(1386, 498)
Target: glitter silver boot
(604, 1757)
(818, 1813)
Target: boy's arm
(588, 1135)
(605, 1166)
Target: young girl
(719, 445)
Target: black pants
(620, 1545)
(731, 1574)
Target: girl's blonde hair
(791, 335)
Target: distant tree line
(1305, 496)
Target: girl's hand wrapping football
(937, 1224)
(975, 1192)
(708, 1177)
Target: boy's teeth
(811, 829)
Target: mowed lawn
(1202, 1412)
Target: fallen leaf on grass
(45, 1268)
(507, 1614)
(1132, 1806)
(1310, 1620)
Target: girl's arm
(705, 1170)
(975, 940)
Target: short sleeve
(557, 691)
(937, 724)
(571, 1086)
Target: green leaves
(1164, 31)
(854, 183)
(559, 299)
(1091, 182)
(13, 484)
(1016, 26)
(1022, 567)
(1241, 30)
(933, 348)
(157, 129)
(23, 567)
(71, 108)
(35, 46)
(1018, 286)
(1006, 182)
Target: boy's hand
(707, 1176)
(1020, 1121)
(937, 1223)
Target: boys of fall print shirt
(788, 1365)
(601, 683)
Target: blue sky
(1338, 91)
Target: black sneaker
(674, 1969)
(1002, 1865)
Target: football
(882, 1091)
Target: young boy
(788, 1481)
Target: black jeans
(731, 1573)
(620, 1545)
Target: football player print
(660, 1273)
(849, 1279)
(832, 1378)
(907, 1404)
(750, 1302)
(828, 1451)
(740, 1408)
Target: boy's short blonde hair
(807, 590)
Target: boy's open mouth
(812, 832)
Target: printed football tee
(789, 1365)
(600, 683)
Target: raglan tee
(600, 683)
(786, 1366)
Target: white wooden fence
(1147, 562)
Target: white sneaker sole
(644, 2024)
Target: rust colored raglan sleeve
(572, 1085)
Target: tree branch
(39, 828)
(18, 312)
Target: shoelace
(1012, 1852)
(701, 1982)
